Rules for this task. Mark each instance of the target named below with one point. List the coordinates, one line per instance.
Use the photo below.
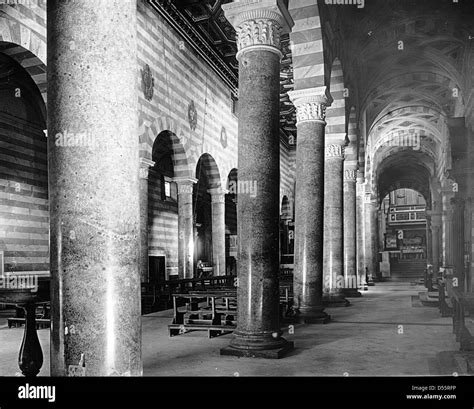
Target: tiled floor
(386, 332)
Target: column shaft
(334, 227)
(308, 270)
(218, 233)
(258, 29)
(145, 166)
(350, 239)
(360, 232)
(185, 228)
(371, 246)
(94, 188)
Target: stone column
(145, 165)
(94, 188)
(259, 25)
(218, 231)
(448, 241)
(334, 227)
(458, 240)
(308, 270)
(360, 231)
(350, 240)
(371, 245)
(429, 241)
(185, 227)
(435, 234)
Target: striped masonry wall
(336, 113)
(23, 37)
(307, 45)
(180, 77)
(287, 172)
(24, 210)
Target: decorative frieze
(335, 151)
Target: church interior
(236, 188)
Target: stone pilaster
(334, 227)
(185, 227)
(429, 241)
(218, 231)
(308, 270)
(94, 188)
(350, 239)
(145, 165)
(259, 25)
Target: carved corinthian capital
(258, 24)
(335, 151)
(350, 175)
(310, 104)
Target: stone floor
(386, 332)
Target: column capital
(334, 151)
(185, 184)
(217, 195)
(350, 175)
(258, 24)
(145, 166)
(311, 104)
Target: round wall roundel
(192, 116)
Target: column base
(335, 300)
(351, 293)
(310, 317)
(259, 353)
(268, 346)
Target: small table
(30, 358)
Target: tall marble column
(145, 165)
(94, 188)
(429, 241)
(185, 227)
(360, 231)
(259, 25)
(448, 236)
(458, 240)
(435, 235)
(371, 237)
(218, 231)
(334, 227)
(309, 201)
(350, 239)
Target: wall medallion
(148, 83)
(192, 116)
(224, 137)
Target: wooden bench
(463, 306)
(213, 311)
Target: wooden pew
(217, 315)
(463, 306)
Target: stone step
(449, 363)
(429, 299)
